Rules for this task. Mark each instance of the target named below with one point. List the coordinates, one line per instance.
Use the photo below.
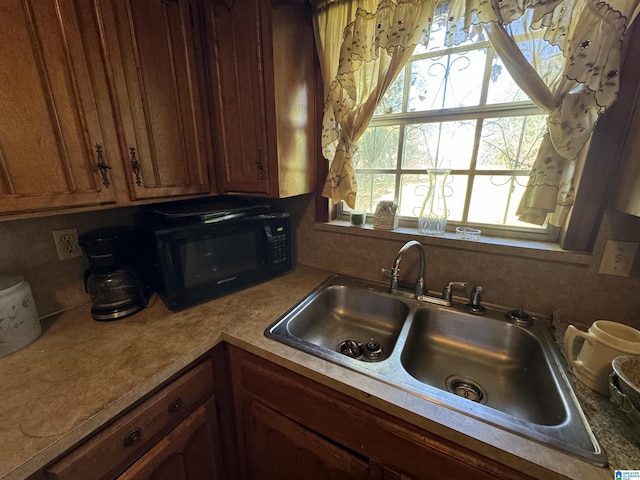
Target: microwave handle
(270, 247)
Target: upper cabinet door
(263, 79)
(49, 121)
(153, 55)
(239, 107)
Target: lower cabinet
(186, 453)
(236, 416)
(290, 427)
(283, 449)
(171, 435)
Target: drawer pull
(132, 437)
(175, 405)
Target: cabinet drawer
(188, 452)
(116, 447)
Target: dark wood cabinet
(154, 57)
(621, 135)
(284, 416)
(102, 104)
(263, 79)
(284, 450)
(53, 89)
(173, 434)
(186, 453)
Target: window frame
(599, 178)
(478, 113)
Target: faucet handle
(474, 302)
(385, 272)
(447, 293)
(394, 273)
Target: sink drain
(350, 348)
(467, 388)
(371, 351)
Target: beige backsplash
(27, 249)
(579, 292)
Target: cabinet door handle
(102, 165)
(132, 437)
(135, 165)
(260, 164)
(175, 405)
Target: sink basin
(354, 321)
(485, 366)
(485, 360)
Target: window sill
(545, 251)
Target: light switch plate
(618, 258)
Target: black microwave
(190, 263)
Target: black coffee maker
(115, 278)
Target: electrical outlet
(618, 258)
(67, 243)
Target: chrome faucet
(395, 270)
(447, 293)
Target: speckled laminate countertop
(80, 374)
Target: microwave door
(216, 260)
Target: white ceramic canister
(19, 324)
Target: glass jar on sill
(433, 214)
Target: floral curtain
(565, 54)
(369, 42)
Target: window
(454, 108)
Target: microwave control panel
(280, 247)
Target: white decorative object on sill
(385, 217)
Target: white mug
(604, 341)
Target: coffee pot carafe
(114, 280)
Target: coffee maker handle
(87, 273)
(569, 341)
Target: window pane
(494, 200)
(372, 188)
(502, 88)
(413, 189)
(510, 143)
(448, 81)
(439, 145)
(377, 148)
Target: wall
(579, 292)
(27, 249)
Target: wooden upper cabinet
(49, 123)
(625, 126)
(102, 103)
(263, 81)
(155, 63)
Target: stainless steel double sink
(485, 366)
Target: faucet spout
(395, 270)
